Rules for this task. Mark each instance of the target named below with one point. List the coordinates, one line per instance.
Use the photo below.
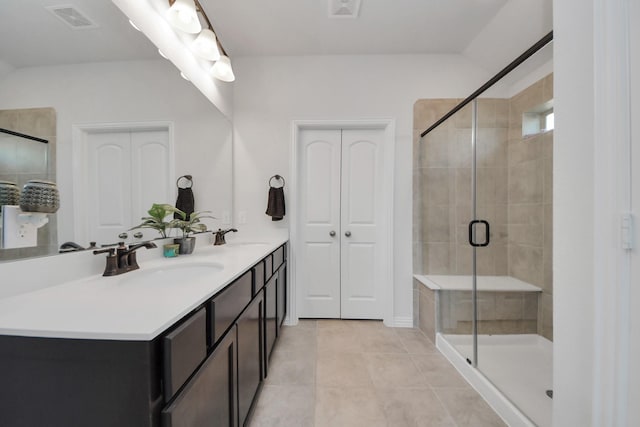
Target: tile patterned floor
(348, 373)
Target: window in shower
(538, 119)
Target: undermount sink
(171, 274)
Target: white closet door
(128, 171)
(318, 276)
(341, 266)
(150, 180)
(109, 186)
(362, 220)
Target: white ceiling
(489, 32)
(30, 35)
(303, 27)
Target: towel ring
(189, 178)
(277, 177)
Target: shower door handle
(487, 230)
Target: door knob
(123, 235)
(138, 235)
(348, 234)
(332, 233)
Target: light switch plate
(242, 217)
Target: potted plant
(155, 220)
(189, 224)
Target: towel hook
(278, 178)
(189, 178)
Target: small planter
(187, 245)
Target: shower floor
(520, 366)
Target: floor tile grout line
(445, 407)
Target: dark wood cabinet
(57, 382)
(184, 349)
(209, 399)
(282, 295)
(250, 354)
(258, 277)
(270, 319)
(225, 307)
(205, 370)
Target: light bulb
(222, 70)
(206, 46)
(183, 16)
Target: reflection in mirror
(109, 76)
(27, 151)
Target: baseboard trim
(402, 322)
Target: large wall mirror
(80, 67)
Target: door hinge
(626, 228)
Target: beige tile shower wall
(442, 186)
(530, 184)
(41, 123)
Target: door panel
(342, 269)
(361, 212)
(319, 278)
(150, 181)
(128, 172)
(634, 321)
(109, 186)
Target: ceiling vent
(344, 8)
(72, 17)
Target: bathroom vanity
(181, 342)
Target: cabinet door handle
(347, 233)
(332, 233)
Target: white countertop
(123, 307)
(484, 283)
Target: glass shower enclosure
(484, 179)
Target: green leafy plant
(157, 214)
(191, 225)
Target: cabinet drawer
(268, 267)
(228, 305)
(258, 277)
(184, 349)
(278, 258)
(210, 398)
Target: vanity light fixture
(182, 15)
(206, 45)
(222, 70)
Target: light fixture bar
(206, 19)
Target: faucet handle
(111, 268)
(111, 251)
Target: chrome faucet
(220, 235)
(122, 259)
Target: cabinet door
(210, 398)
(282, 295)
(270, 321)
(250, 327)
